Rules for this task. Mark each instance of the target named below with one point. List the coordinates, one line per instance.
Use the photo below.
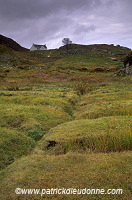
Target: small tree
(66, 41)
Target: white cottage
(38, 47)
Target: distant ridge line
(10, 43)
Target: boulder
(126, 69)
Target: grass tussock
(100, 135)
(109, 99)
(35, 112)
(102, 109)
(27, 118)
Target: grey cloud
(84, 29)
(27, 9)
(48, 21)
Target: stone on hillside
(126, 69)
(114, 59)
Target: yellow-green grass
(58, 98)
(35, 112)
(110, 103)
(103, 108)
(13, 144)
(98, 96)
(73, 170)
(96, 135)
(31, 119)
(32, 113)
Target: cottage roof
(38, 46)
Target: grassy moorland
(65, 122)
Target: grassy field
(72, 170)
(65, 122)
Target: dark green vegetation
(65, 121)
(8, 42)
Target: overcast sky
(83, 21)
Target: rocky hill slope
(8, 42)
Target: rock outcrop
(126, 69)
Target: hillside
(11, 53)
(78, 58)
(65, 122)
(8, 42)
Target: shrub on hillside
(82, 87)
